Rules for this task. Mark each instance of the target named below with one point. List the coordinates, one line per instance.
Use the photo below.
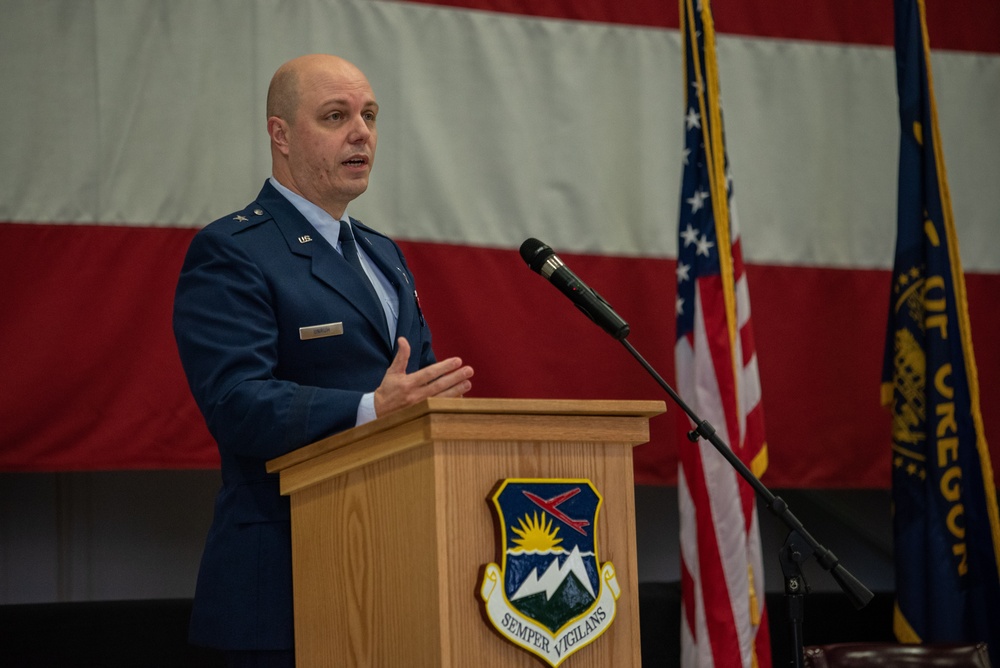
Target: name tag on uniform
(320, 331)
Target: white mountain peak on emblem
(554, 576)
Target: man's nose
(359, 130)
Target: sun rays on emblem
(536, 535)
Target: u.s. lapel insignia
(305, 238)
(550, 595)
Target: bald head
(284, 95)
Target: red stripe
(819, 335)
(964, 25)
(86, 346)
(654, 13)
(720, 623)
(737, 256)
(717, 332)
(755, 435)
(92, 378)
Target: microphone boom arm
(851, 586)
(800, 544)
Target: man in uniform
(293, 321)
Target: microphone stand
(799, 545)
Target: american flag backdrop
(724, 621)
(500, 120)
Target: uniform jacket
(249, 282)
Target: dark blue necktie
(349, 247)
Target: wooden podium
(392, 526)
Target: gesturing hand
(447, 378)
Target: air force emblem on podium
(550, 595)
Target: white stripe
(494, 127)
(742, 301)
(728, 523)
(694, 654)
(750, 394)
(720, 478)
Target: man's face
(331, 141)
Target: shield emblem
(550, 594)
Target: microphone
(543, 260)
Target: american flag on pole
(724, 622)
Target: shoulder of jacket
(238, 221)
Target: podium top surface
(537, 407)
(472, 406)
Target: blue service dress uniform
(249, 282)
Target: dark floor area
(151, 634)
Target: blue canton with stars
(697, 246)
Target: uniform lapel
(385, 254)
(328, 266)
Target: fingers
(428, 374)
(453, 384)
(447, 378)
(456, 390)
(437, 370)
(402, 357)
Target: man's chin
(355, 189)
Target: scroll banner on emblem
(549, 595)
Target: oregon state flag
(947, 535)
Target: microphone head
(535, 253)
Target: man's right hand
(447, 378)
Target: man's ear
(278, 130)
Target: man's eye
(335, 116)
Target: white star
(679, 307)
(703, 245)
(697, 201)
(689, 235)
(698, 87)
(684, 155)
(692, 120)
(683, 272)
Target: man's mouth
(355, 162)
